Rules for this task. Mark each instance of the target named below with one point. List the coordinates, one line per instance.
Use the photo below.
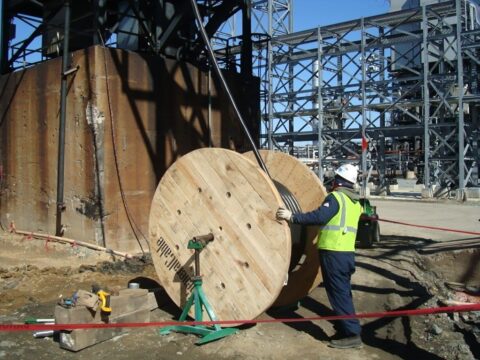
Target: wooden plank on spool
(221, 192)
(309, 192)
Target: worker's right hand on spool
(284, 214)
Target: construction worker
(338, 216)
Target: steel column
(246, 57)
(270, 77)
(99, 21)
(364, 121)
(426, 106)
(3, 38)
(320, 105)
(461, 123)
(61, 129)
(383, 186)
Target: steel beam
(3, 38)
(61, 129)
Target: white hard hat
(348, 172)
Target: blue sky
(311, 13)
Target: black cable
(288, 198)
(132, 223)
(217, 70)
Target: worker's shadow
(308, 327)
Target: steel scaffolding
(390, 92)
(275, 19)
(162, 27)
(393, 92)
(270, 19)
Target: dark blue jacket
(324, 212)
(319, 216)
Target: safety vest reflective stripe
(335, 227)
(343, 216)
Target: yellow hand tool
(105, 300)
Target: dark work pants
(337, 269)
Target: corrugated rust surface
(154, 111)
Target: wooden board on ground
(221, 192)
(306, 187)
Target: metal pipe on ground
(69, 241)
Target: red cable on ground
(431, 227)
(395, 313)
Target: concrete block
(126, 302)
(76, 340)
(133, 292)
(152, 301)
(410, 175)
(394, 187)
(472, 193)
(76, 315)
(427, 193)
(130, 305)
(366, 194)
(418, 187)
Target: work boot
(349, 342)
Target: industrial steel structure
(393, 92)
(402, 84)
(163, 27)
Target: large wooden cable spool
(221, 192)
(296, 181)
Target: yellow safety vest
(340, 232)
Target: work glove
(284, 214)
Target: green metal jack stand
(199, 300)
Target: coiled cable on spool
(288, 198)
(297, 231)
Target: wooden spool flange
(308, 190)
(221, 192)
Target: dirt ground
(398, 273)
